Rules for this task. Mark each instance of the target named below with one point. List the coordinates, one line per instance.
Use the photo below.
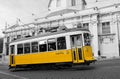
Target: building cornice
(89, 11)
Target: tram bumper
(90, 61)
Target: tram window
(79, 40)
(87, 39)
(27, 48)
(12, 49)
(76, 40)
(34, 47)
(42, 46)
(51, 44)
(61, 43)
(20, 48)
(72, 41)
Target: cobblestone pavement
(107, 69)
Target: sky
(11, 10)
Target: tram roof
(52, 33)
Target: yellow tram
(63, 48)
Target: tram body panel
(45, 57)
(88, 55)
(60, 56)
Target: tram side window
(51, 44)
(61, 43)
(20, 48)
(27, 48)
(34, 47)
(42, 46)
(12, 49)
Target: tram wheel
(88, 64)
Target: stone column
(4, 49)
(93, 27)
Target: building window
(105, 27)
(8, 39)
(27, 48)
(18, 36)
(7, 49)
(51, 44)
(42, 46)
(20, 48)
(79, 25)
(73, 2)
(61, 43)
(52, 3)
(12, 49)
(34, 47)
(86, 25)
(58, 4)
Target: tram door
(76, 46)
(12, 55)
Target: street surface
(107, 69)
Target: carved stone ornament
(107, 38)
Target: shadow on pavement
(74, 68)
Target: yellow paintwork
(53, 57)
(44, 57)
(88, 55)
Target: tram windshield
(86, 39)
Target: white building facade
(103, 23)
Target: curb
(103, 59)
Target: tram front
(87, 49)
(81, 49)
